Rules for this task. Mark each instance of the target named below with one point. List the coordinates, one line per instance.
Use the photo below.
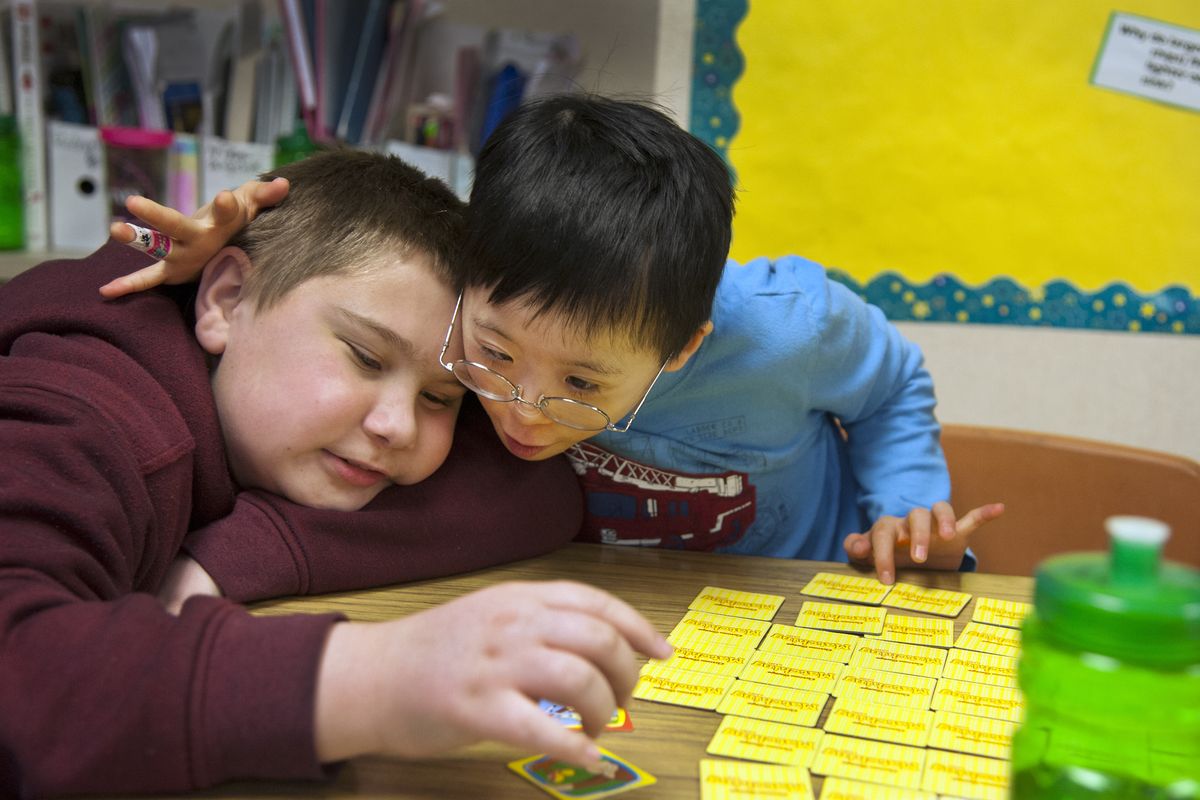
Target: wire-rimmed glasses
(486, 382)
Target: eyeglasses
(486, 382)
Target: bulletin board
(967, 161)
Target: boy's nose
(393, 420)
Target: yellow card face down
(980, 699)
(713, 658)
(681, 687)
(852, 588)
(989, 639)
(791, 640)
(977, 667)
(812, 674)
(942, 602)
(741, 780)
(966, 733)
(751, 605)
(911, 659)
(772, 703)
(881, 686)
(759, 740)
(908, 629)
(868, 719)
(966, 776)
(1006, 613)
(874, 762)
(841, 617)
(562, 780)
(700, 630)
(843, 789)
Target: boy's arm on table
(875, 382)
(481, 508)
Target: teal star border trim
(717, 65)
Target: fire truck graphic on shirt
(631, 503)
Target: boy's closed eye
(363, 358)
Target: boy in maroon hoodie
(295, 421)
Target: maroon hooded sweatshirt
(111, 461)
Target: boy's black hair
(346, 209)
(603, 211)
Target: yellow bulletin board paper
(960, 161)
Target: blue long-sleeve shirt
(738, 451)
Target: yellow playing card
(972, 665)
(681, 687)
(966, 776)
(965, 733)
(563, 780)
(1008, 613)
(843, 789)
(777, 669)
(739, 780)
(892, 688)
(847, 587)
(714, 658)
(918, 630)
(809, 643)
(841, 617)
(868, 719)
(772, 703)
(980, 699)
(759, 740)
(930, 601)
(989, 639)
(875, 762)
(753, 605)
(700, 630)
(911, 659)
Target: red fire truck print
(634, 504)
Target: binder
(27, 81)
(78, 203)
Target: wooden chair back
(1058, 490)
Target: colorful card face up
(990, 639)
(911, 659)
(751, 605)
(741, 780)
(868, 719)
(942, 602)
(700, 631)
(927, 631)
(560, 779)
(841, 617)
(813, 674)
(1007, 613)
(790, 640)
(847, 587)
(874, 762)
(966, 776)
(977, 667)
(843, 789)
(716, 659)
(980, 699)
(570, 718)
(891, 688)
(773, 703)
(759, 740)
(681, 687)
(966, 733)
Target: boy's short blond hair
(344, 209)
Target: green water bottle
(1110, 669)
(12, 197)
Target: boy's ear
(221, 289)
(690, 348)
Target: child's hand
(884, 544)
(185, 579)
(474, 669)
(194, 239)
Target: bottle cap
(1128, 604)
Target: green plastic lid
(1128, 604)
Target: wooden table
(667, 741)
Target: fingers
(167, 220)
(635, 628)
(522, 724)
(145, 278)
(918, 531)
(977, 517)
(883, 545)
(858, 547)
(565, 678)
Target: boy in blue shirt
(747, 409)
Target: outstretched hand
(909, 541)
(475, 668)
(194, 239)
